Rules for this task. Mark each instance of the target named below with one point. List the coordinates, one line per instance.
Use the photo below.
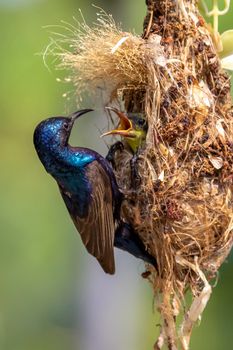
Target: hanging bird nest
(182, 208)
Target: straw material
(182, 208)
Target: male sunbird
(90, 191)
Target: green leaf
(227, 43)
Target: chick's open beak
(124, 128)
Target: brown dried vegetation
(183, 207)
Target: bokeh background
(53, 295)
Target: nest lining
(182, 209)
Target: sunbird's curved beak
(78, 114)
(125, 127)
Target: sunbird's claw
(118, 146)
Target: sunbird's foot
(127, 239)
(118, 146)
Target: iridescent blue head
(55, 130)
(53, 134)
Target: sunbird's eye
(141, 122)
(66, 126)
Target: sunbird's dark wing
(97, 227)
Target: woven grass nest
(182, 208)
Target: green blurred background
(52, 294)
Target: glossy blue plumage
(64, 163)
(87, 184)
(51, 143)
